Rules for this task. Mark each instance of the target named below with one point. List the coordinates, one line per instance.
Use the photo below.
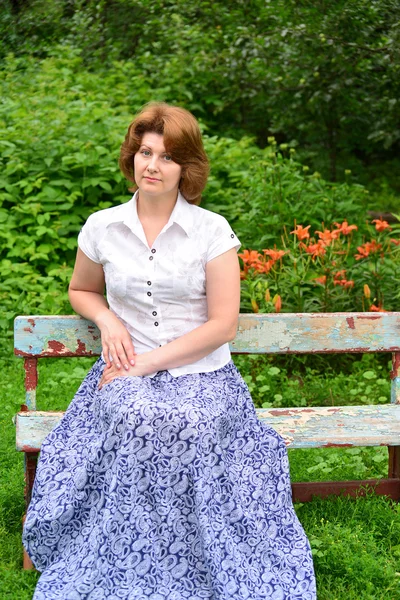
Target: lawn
(356, 543)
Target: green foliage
(278, 383)
(354, 547)
(61, 127)
(263, 191)
(323, 75)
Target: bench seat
(341, 426)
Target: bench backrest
(61, 336)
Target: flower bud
(277, 303)
(254, 305)
(367, 291)
(267, 296)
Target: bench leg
(31, 459)
(394, 462)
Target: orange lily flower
(381, 225)
(326, 237)
(315, 250)
(349, 284)
(344, 283)
(378, 308)
(345, 228)
(340, 274)
(367, 249)
(275, 254)
(301, 232)
(263, 266)
(249, 257)
(395, 242)
(321, 280)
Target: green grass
(356, 543)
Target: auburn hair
(182, 141)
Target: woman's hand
(116, 342)
(86, 293)
(142, 367)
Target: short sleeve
(222, 239)
(88, 240)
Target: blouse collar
(127, 214)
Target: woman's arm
(86, 294)
(223, 299)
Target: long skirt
(166, 488)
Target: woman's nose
(152, 166)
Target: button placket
(149, 283)
(150, 278)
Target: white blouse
(159, 293)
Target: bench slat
(300, 427)
(257, 334)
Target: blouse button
(154, 313)
(149, 293)
(156, 323)
(232, 236)
(151, 257)
(149, 283)
(153, 251)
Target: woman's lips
(152, 179)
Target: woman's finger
(129, 351)
(113, 352)
(122, 358)
(106, 354)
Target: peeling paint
(56, 336)
(395, 372)
(333, 445)
(81, 347)
(56, 347)
(31, 374)
(350, 322)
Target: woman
(160, 483)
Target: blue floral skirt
(166, 488)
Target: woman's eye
(146, 152)
(168, 158)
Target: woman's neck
(157, 208)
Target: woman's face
(156, 174)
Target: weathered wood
(257, 334)
(395, 377)
(32, 428)
(31, 381)
(394, 462)
(55, 336)
(300, 427)
(30, 472)
(306, 491)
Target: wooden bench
(63, 336)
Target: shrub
(61, 127)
